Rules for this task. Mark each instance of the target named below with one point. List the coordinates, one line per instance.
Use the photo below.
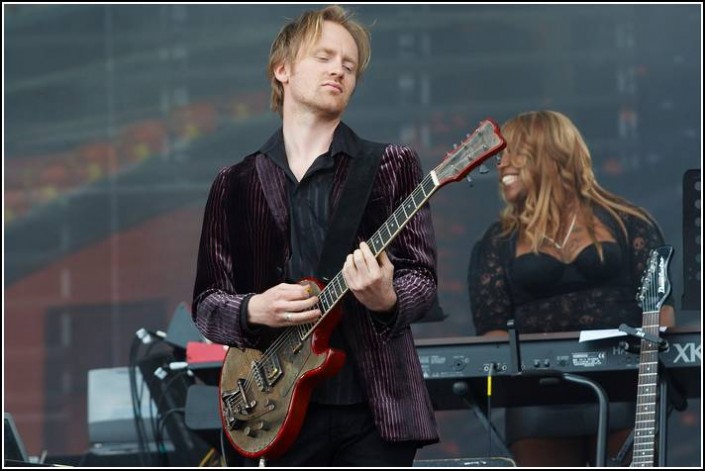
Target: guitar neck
(336, 288)
(645, 423)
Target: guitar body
(264, 395)
(262, 416)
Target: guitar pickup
(267, 372)
(296, 344)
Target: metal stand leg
(662, 420)
(551, 375)
(603, 415)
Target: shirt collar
(345, 141)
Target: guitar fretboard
(336, 287)
(478, 146)
(645, 424)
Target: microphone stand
(462, 389)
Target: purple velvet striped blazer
(244, 247)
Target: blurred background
(118, 117)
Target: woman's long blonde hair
(556, 169)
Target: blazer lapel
(341, 174)
(273, 183)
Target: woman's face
(511, 171)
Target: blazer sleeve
(413, 251)
(216, 304)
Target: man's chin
(332, 111)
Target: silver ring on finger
(287, 316)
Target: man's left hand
(370, 279)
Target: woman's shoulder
(494, 230)
(636, 221)
(489, 247)
(628, 212)
(491, 236)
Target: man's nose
(336, 68)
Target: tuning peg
(484, 169)
(469, 179)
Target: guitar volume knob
(263, 425)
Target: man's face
(322, 79)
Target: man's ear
(281, 72)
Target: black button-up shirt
(310, 217)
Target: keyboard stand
(548, 376)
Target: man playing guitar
(265, 223)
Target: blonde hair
(556, 169)
(304, 31)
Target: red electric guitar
(264, 395)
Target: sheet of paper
(599, 334)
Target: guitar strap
(343, 227)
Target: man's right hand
(283, 305)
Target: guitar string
(288, 334)
(419, 191)
(650, 311)
(285, 337)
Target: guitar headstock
(477, 147)
(655, 285)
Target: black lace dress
(543, 294)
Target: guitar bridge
(237, 407)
